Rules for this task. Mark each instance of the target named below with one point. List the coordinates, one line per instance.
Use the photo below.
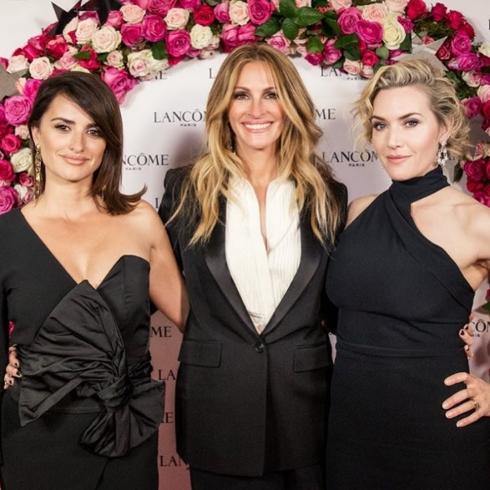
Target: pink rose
(178, 43)
(160, 7)
(31, 88)
(468, 62)
(221, 12)
(444, 52)
(204, 15)
(369, 58)
(367, 71)
(375, 12)
(11, 143)
(396, 6)
(260, 11)
(370, 32)
(314, 58)
(475, 170)
(132, 34)
(234, 36)
(406, 23)
(66, 62)
(439, 12)
(340, 4)
(461, 43)
(471, 106)
(57, 47)
(352, 67)
(190, 4)
(416, 9)
(349, 19)
(154, 28)
(25, 179)
(483, 92)
(8, 199)
(17, 109)
(132, 14)
(7, 173)
(485, 110)
(455, 19)
(280, 42)
(465, 27)
(119, 82)
(330, 53)
(91, 63)
(114, 19)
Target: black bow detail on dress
(79, 350)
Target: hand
(467, 334)
(12, 371)
(474, 398)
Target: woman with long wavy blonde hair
(252, 223)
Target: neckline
(64, 270)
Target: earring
(37, 172)
(442, 155)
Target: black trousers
(45, 455)
(308, 478)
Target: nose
(256, 107)
(77, 141)
(393, 137)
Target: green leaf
(102, 57)
(269, 28)
(290, 29)
(308, 16)
(212, 3)
(406, 45)
(331, 26)
(383, 52)
(344, 41)
(487, 306)
(288, 9)
(319, 3)
(158, 51)
(352, 53)
(82, 55)
(314, 45)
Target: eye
(62, 127)
(411, 123)
(240, 95)
(271, 95)
(378, 126)
(95, 131)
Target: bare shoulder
(357, 206)
(144, 217)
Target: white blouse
(262, 276)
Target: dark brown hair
(96, 99)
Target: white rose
(115, 59)
(21, 160)
(484, 93)
(85, 30)
(142, 64)
(201, 36)
(393, 32)
(340, 4)
(22, 191)
(71, 26)
(106, 39)
(396, 6)
(352, 67)
(22, 131)
(79, 68)
(207, 53)
(176, 18)
(375, 12)
(302, 3)
(471, 79)
(132, 14)
(41, 68)
(367, 71)
(18, 63)
(239, 13)
(485, 49)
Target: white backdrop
(164, 122)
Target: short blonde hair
(441, 92)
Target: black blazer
(248, 403)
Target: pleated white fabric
(262, 275)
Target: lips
(257, 126)
(75, 160)
(396, 158)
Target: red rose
(488, 170)
(485, 110)
(415, 9)
(178, 43)
(154, 28)
(369, 58)
(4, 62)
(39, 42)
(465, 27)
(204, 15)
(438, 12)
(132, 34)
(314, 58)
(56, 47)
(10, 144)
(455, 19)
(475, 170)
(91, 63)
(7, 173)
(487, 297)
(407, 24)
(474, 185)
(444, 52)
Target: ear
(444, 133)
(35, 135)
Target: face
(405, 132)
(255, 113)
(71, 144)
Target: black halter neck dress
(402, 301)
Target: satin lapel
(311, 254)
(215, 257)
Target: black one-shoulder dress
(402, 300)
(85, 414)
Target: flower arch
(129, 41)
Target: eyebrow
(69, 121)
(238, 87)
(401, 117)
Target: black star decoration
(102, 7)
(8, 83)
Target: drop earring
(442, 155)
(37, 172)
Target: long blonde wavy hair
(442, 95)
(208, 179)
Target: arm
(357, 206)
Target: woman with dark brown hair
(79, 265)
